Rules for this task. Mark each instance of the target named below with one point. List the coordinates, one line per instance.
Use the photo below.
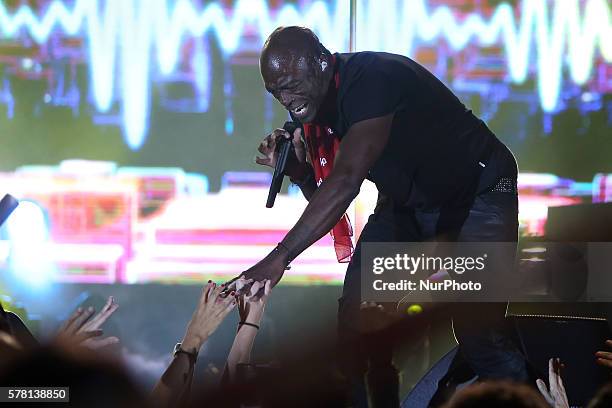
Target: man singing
(440, 172)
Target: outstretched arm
(251, 311)
(173, 387)
(358, 151)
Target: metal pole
(353, 26)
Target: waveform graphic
(123, 35)
(129, 40)
(567, 38)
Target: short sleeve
(370, 89)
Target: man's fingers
(369, 305)
(264, 161)
(242, 281)
(230, 285)
(244, 290)
(609, 343)
(279, 133)
(263, 148)
(297, 138)
(269, 142)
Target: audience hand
(209, 314)
(556, 396)
(604, 358)
(252, 304)
(81, 329)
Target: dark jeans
(485, 338)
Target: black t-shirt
(437, 148)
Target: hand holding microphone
(286, 159)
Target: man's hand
(556, 396)
(209, 314)
(250, 305)
(604, 358)
(296, 162)
(374, 317)
(79, 329)
(271, 268)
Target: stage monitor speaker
(580, 223)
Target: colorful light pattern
(130, 40)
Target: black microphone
(283, 148)
(7, 206)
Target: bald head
(296, 69)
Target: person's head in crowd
(497, 394)
(92, 381)
(603, 398)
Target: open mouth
(300, 110)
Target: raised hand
(252, 304)
(556, 395)
(84, 330)
(208, 315)
(271, 268)
(604, 358)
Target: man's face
(297, 82)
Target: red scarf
(322, 146)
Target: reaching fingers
(542, 387)
(230, 285)
(80, 321)
(604, 354)
(551, 370)
(609, 343)
(554, 375)
(98, 320)
(215, 292)
(241, 282)
(96, 344)
(68, 325)
(206, 291)
(604, 362)
(230, 306)
(85, 335)
(254, 289)
(267, 288)
(244, 290)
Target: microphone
(7, 206)
(283, 148)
